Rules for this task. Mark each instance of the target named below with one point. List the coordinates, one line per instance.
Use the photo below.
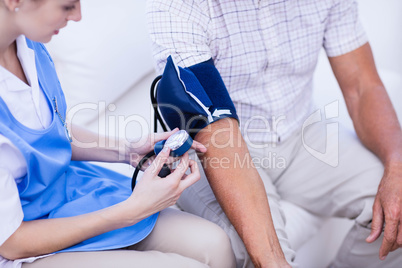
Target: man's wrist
(394, 160)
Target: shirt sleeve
(344, 31)
(12, 165)
(179, 29)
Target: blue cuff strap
(192, 98)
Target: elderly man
(266, 53)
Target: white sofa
(105, 67)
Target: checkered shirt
(265, 50)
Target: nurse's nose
(75, 14)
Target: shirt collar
(26, 57)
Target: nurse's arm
(39, 237)
(90, 146)
(152, 194)
(240, 191)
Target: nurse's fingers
(182, 167)
(191, 178)
(164, 135)
(158, 162)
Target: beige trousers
(178, 240)
(325, 171)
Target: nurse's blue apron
(55, 186)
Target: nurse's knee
(217, 248)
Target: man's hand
(377, 126)
(387, 209)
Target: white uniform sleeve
(12, 166)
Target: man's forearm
(377, 125)
(368, 103)
(378, 128)
(240, 191)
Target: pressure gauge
(179, 143)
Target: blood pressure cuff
(194, 97)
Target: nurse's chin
(46, 39)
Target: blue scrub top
(55, 186)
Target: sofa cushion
(101, 57)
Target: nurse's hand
(153, 194)
(136, 153)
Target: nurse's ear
(13, 5)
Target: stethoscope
(179, 143)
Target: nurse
(52, 201)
